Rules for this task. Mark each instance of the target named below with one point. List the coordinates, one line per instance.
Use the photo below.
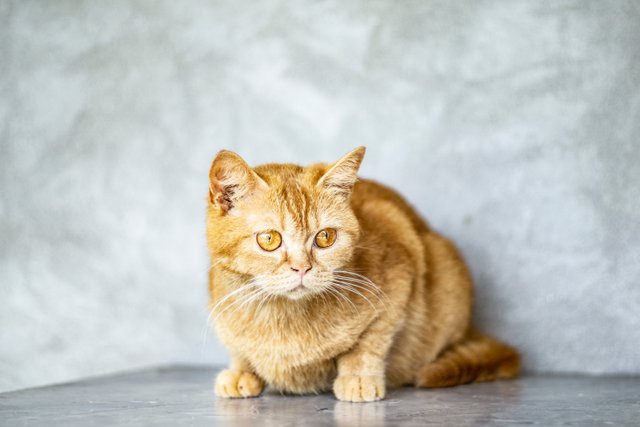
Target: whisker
(348, 288)
(352, 270)
(367, 287)
(358, 275)
(329, 290)
(356, 279)
(240, 301)
(338, 294)
(361, 282)
(205, 333)
(212, 310)
(363, 288)
(265, 300)
(254, 296)
(359, 278)
(248, 284)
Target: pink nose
(302, 269)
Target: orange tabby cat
(322, 281)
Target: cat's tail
(476, 358)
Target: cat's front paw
(231, 383)
(354, 388)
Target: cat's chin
(300, 292)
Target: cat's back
(371, 198)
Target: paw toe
(353, 388)
(249, 385)
(237, 384)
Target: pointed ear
(231, 179)
(343, 174)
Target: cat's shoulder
(368, 193)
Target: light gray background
(511, 125)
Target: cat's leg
(238, 381)
(361, 371)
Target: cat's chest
(273, 339)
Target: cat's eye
(326, 237)
(269, 240)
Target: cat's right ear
(231, 179)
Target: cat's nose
(302, 269)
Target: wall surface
(512, 125)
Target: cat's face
(285, 227)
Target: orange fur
(388, 304)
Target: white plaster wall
(512, 125)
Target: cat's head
(284, 227)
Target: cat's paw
(354, 388)
(231, 383)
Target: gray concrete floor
(183, 396)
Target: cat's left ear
(231, 179)
(343, 174)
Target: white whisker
(362, 288)
(365, 287)
(359, 278)
(329, 290)
(348, 287)
(245, 286)
(240, 301)
(344, 297)
(264, 301)
(212, 310)
(253, 297)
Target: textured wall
(512, 125)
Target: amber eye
(269, 240)
(326, 237)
